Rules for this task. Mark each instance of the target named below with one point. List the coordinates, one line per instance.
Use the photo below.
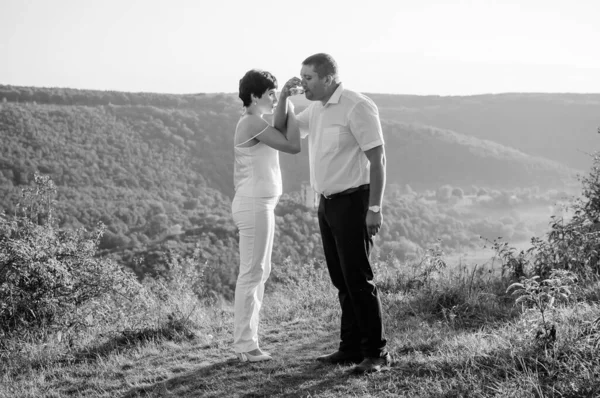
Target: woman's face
(267, 102)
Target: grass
(453, 332)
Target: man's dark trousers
(347, 246)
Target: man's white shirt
(339, 133)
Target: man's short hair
(323, 64)
(256, 82)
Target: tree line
(159, 176)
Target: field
(456, 325)
(453, 332)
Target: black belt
(348, 191)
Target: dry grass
(456, 334)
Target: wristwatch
(375, 209)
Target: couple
(347, 169)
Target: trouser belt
(348, 191)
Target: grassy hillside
(457, 334)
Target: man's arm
(376, 158)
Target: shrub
(50, 279)
(168, 306)
(571, 244)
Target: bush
(168, 306)
(571, 244)
(50, 279)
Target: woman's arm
(259, 129)
(285, 107)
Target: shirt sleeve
(365, 125)
(303, 119)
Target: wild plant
(300, 290)
(514, 262)
(392, 275)
(174, 297)
(431, 263)
(541, 296)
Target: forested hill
(157, 170)
(560, 127)
(422, 148)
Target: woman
(257, 180)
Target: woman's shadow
(303, 376)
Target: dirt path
(213, 371)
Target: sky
(423, 47)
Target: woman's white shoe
(247, 357)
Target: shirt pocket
(333, 136)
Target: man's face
(314, 88)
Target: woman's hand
(293, 82)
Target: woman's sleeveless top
(256, 171)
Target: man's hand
(373, 221)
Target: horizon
(365, 92)
(431, 48)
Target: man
(347, 169)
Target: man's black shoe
(371, 365)
(341, 357)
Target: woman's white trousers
(255, 220)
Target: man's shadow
(304, 377)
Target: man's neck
(333, 88)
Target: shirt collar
(335, 97)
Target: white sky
(445, 47)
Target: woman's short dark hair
(323, 64)
(256, 82)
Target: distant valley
(157, 169)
